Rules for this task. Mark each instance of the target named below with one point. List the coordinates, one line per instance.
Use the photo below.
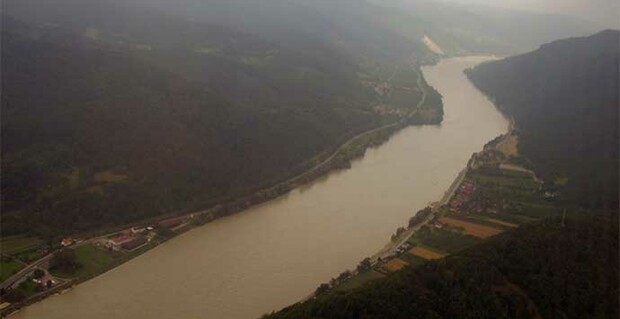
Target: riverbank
(464, 216)
(321, 165)
(275, 253)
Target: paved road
(25, 271)
(363, 134)
(42, 261)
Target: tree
(39, 273)
(321, 289)
(364, 265)
(65, 261)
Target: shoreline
(340, 158)
(392, 246)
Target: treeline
(549, 269)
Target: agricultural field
(19, 243)
(413, 260)
(395, 264)
(502, 223)
(9, 266)
(443, 239)
(472, 229)
(425, 253)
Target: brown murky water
(275, 254)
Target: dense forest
(564, 99)
(541, 270)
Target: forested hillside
(542, 270)
(564, 100)
(465, 28)
(114, 112)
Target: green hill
(564, 100)
(113, 113)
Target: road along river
(277, 253)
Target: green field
(506, 181)
(93, 260)
(8, 268)
(509, 218)
(19, 243)
(534, 210)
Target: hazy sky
(605, 12)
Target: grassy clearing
(425, 253)
(27, 288)
(93, 260)
(506, 181)
(19, 243)
(8, 268)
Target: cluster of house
(463, 194)
(129, 240)
(46, 281)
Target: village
(79, 259)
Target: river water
(275, 254)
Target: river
(277, 253)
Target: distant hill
(472, 28)
(564, 100)
(540, 270)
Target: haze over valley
(309, 159)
